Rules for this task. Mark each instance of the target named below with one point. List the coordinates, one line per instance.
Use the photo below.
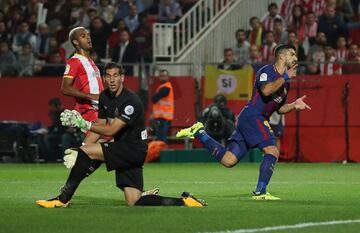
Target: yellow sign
(233, 84)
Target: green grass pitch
(309, 192)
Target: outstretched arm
(298, 104)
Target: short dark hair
(228, 50)
(278, 20)
(273, 4)
(281, 48)
(112, 65)
(164, 70)
(240, 30)
(253, 18)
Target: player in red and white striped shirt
(82, 78)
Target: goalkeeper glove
(70, 156)
(74, 119)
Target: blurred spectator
(58, 135)
(332, 25)
(288, 5)
(267, 50)
(354, 58)
(26, 61)
(328, 65)
(316, 6)
(68, 49)
(125, 52)
(4, 35)
(15, 21)
(255, 35)
(106, 11)
(132, 21)
(54, 47)
(169, 11)
(218, 119)
(294, 41)
(186, 5)
(310, 30)
(31, 8)
(316, 52)
(123, 7)
(142, 37)
(54, 67)
(344, 10)
(7, 60)
(281, 35)
(114, 38)
(254, 55)
(241, 49)
(355, 4)
(42, 41)
(312, 68)
(32, 22)
(23, 36)
(229, 62)
(268, 21)
(297, 22)
(99, 33)
(342, 53)
(97, 60)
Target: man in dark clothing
(218, 119)
(122, 116)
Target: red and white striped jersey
(87, 78)
(330, 68)
(267, 52)
(317, 6)
(268, 22)
(287, 7)
(342, 54)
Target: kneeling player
(126, 155)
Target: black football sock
(155, 200)
(83, 167)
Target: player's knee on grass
(229, 160)
(273, 150)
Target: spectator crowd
(319, 30)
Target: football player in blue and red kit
(252, 127)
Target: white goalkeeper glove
(74, 119)
(70, 156)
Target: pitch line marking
(296, 226)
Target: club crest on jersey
(263, 77)
(129, 110)
(116, 112)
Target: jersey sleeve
(102, 110)
(71, 69)
(265, 76)
(129, 111)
